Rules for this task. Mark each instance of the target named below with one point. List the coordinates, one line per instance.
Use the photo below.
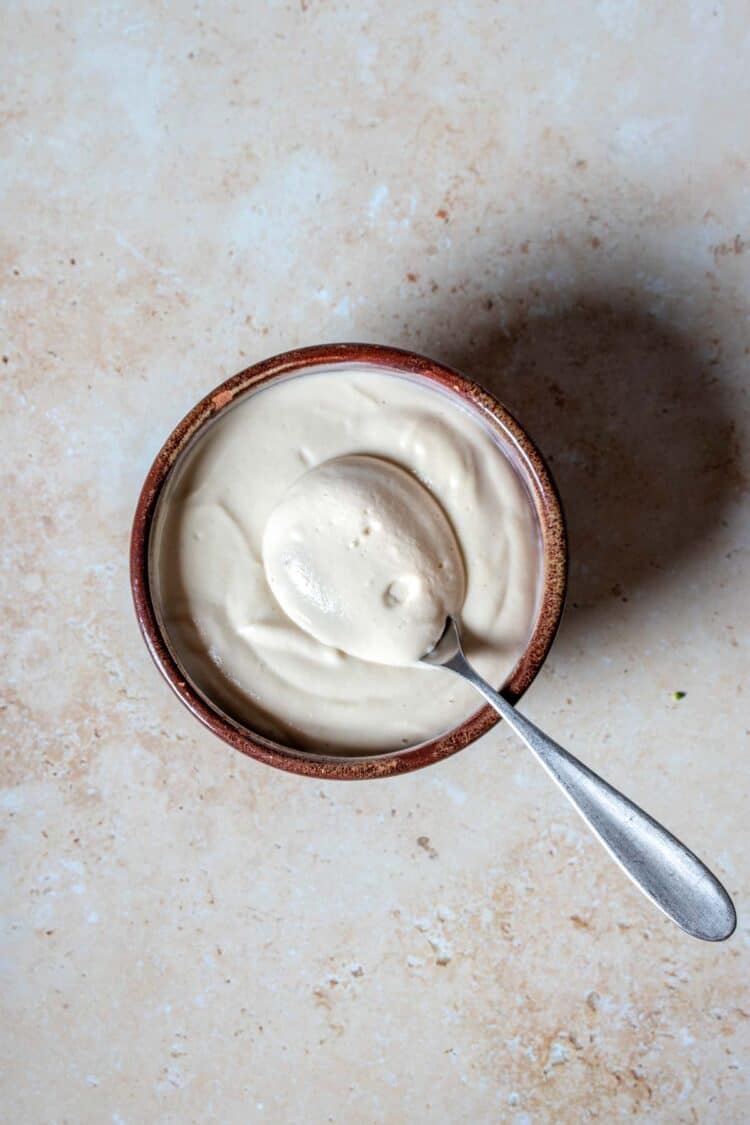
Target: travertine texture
(553, 197)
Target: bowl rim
(554, 556)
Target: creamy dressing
(245, 490)
(360, 555)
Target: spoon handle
(665, 870)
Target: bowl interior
(465, 396)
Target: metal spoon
(664, 869)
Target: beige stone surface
(553, 197)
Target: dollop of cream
(360, 555)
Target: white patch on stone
(377, 199)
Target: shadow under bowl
(510, 437)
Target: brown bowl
(540, 487)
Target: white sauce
(245, 478)
(359, 554)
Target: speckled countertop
(555, 199)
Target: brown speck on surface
(579, 922)
(596, 242)
(524, 247)
(734, 247)
(441, 213)
(322, 999)
(592, 1000)
(424, 843)
(412, 277)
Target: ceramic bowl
(529, 464)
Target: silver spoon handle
(665, 870)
